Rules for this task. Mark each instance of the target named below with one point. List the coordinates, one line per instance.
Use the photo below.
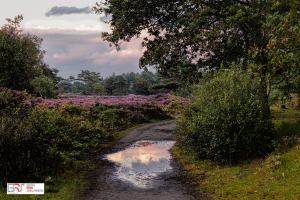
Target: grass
(73, 182)
(68, 185)
(275, 176)
(286, 121)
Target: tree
(99, 89)
(141, 87)
(223, 31)
(130, 77)
(61, 90)
(53, 75)
(89, 79)
(283, 49)
(74, 89)
(109, 85)
(44, 86)
(71, 79)
(286, 88)
(171, 86)
(66, 85)
(148, 76)
(21, 58)
(165, 84)
(185, 37)
(120, 86)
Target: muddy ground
(167, 185)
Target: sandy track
(167, 185)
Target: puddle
(142, 161)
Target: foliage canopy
(21, 58)
(187, 36)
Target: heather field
(53, 135)
(129, 100)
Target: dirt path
(165, 186)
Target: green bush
(70, 136)
(23, 151)
(73, 110)
(10, 100)
(228, 118)
(102, 107)
(47, 141)
(154, 112)
(115, 119)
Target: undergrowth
(273, 176)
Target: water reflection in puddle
(142, 161)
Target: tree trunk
(266, 91)
(298, 100)
(268, 88)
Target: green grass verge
(286, 121)
(68, 185)
(275, 176)
(72, 183)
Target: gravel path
(165, 186)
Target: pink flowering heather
(119, 101)
(12, 98)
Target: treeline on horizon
(91, 83)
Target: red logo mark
(17, 187)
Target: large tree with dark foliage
(208, 32)
(141, 87)
(21, 59)
(187, 36)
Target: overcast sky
(72, 36)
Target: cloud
(108, 17)
(42, 27)
(71, 51)
(83, 27)
(64, 10)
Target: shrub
(115, 118)
(47, 141)
(23, 151)
(73, 110)
(228, 119)
(154, 112)
(39, 99)
(10, 99)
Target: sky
(71, 34)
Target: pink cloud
(59, 56)
(71, 51)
